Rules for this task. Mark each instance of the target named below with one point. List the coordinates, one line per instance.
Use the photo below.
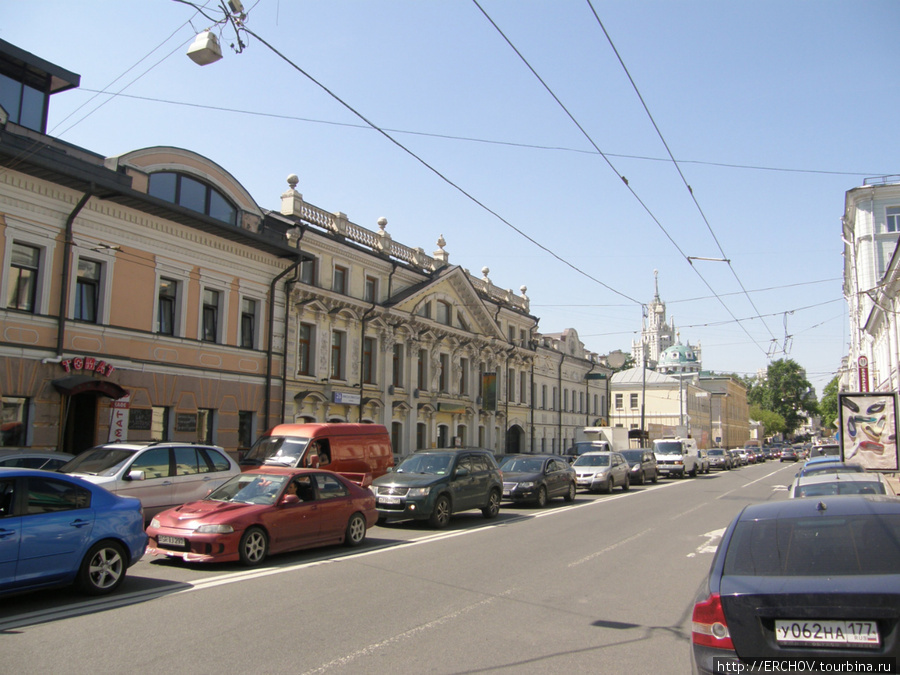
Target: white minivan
(160, 474)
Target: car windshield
(716, 452)
(436, 463)
(522, 465)
(815, 546)
(592, 460)
(669, 448)
(831, 467)
(841, 487)
(99, 461)
(277, 450)
(250, 488)
(632, 455)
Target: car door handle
(4, 534)
(78, 522)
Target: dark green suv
(432, 485)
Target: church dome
(678, 355)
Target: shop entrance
(80, 427)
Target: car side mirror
(462, 472)
(290, 499)
(137, 474)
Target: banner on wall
(118, 419)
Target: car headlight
(154, 523)
(214, 529)
(419, 492)
(636, 467)
(527, 484)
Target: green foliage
(828, 406)
(771, 421)
(787, 392)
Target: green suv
(432, 485)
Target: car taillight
(708, 627)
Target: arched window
(193, 194)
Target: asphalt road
(605, 584)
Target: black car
(802, 579)
(434, 484)
(643, 465)
(537, 478)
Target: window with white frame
(306, 348)
(24, 276)
(892, 218)
(443, 312)
(211, 313)
(422, 370)
(339, 280)
(371, 292)
(249, 322)
(444, 385)
(88, 278)
(370, 350)
(308, 270)
(620, 401)
(464, 377)
(338, 354)
(167, 306)
(397, 366)
(634, 401)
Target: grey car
(29, 459)
(602, 471)
(643, 465)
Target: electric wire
(620, 176)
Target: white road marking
(712, 543)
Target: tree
(772, 422)
(828, 406)
(786, 391)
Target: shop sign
(88, 363)
(346, 398)
(118, 419)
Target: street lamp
(205, 49)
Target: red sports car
(265, 511)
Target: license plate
(506, 493)
(837, 633)
(170, 541)
(389, 500)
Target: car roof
(593, 453)
(831, 505)
(6, 453)
(822, 458)
(840, 476)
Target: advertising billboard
(868, 429)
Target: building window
(248, 323)
(160, 424)
(370, 346)
(305, 349)
(422, 370)
(339, 282)
(443, 312)
(421, 436)
(464, 377)
(445, 374)
(543, 397)
(397, 366)
(371, 290)
(167, 306)
(555, 402)
(620, 403)
(87, 291)
(461, 321)
(397, 438)
(511, 332)
(892, 220)
(424, 310)
(337, 354)
(14, 418)
(523, 387)
(510, 385)
(246, 429)
(634, 401)
(24, 100)
(192, 194)
(308, 272)
(23, 277)
(210, 325)
(206, 426)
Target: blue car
(57, 530)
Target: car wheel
(356, 530)
(440, 516)
(640, 479)
(103, 568)
(570, 495)
(626, 486)
(541, 500)
(655, 478)
(493, 507)
(694, 472)
(254, 546)
(609, 486)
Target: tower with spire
(657, 333)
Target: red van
(359, 452)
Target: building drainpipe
(67, 266)
(362, 356)
(562, 358)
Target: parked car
(802, 579)
(841, 483)
(360, 452)
(677, 457)
(57, 530)
(643, 466)
(263, 512)
(720, 459)
(736, 461)
(602, 471)
(537, 478)
(24, 459)
(830, 467)
(789, 454)
(161, 475)
(432, 485)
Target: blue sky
(772, 109)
